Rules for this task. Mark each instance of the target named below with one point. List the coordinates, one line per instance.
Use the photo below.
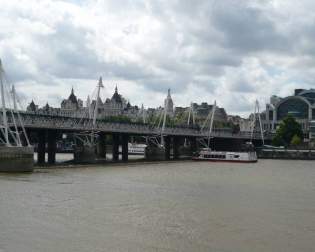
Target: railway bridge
(47, 128)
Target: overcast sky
(234, 51)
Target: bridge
(47, 127)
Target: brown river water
(180, 206)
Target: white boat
(136, 149)
(207, 154)
(14, 157)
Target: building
(74, 107)
(202, 111)
(244, 124)
(32, 107)
(301, 105)
(168, 104)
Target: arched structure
(301, 106)
(296, 106)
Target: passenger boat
(14, 157)
(136, 149)
(207, 154)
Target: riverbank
(288, 154)
(110, 164)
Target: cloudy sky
(234, 51)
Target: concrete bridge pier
(101, 145)
(167, 145)
(124, 147)
(193, 144)
(115, 147)
(176, 144)
(41, 135)
(52, 146)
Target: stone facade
(73, 107)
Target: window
(293, 106)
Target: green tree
(288, 128)
(296, 140)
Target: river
(176, 206)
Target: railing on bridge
(42, 121)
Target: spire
(116, 89)
(169, 92)
(100, 82)
(72, 91)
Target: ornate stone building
(73, 107)
(115, 106)
(72, 103)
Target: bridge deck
(71, 124)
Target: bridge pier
(193, 144)
(101, 145)
(41, 135)
(115, 147)
(176, 144)
(124, 148)
(167, 145)
(52, 145)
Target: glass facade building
(301, 105)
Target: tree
(288, 128)
(296, 140)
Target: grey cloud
(197, 43)
(247, 29)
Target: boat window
(236, 156)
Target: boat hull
(16, 159)
(209, 155)
(224, 161)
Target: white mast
(211, 122)
(190, 114)
(257, 112)
(18, 139)
(143, 114)
(164, 117)
(88, 105)
(4, 112)
(260, 124)
(99, 86)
